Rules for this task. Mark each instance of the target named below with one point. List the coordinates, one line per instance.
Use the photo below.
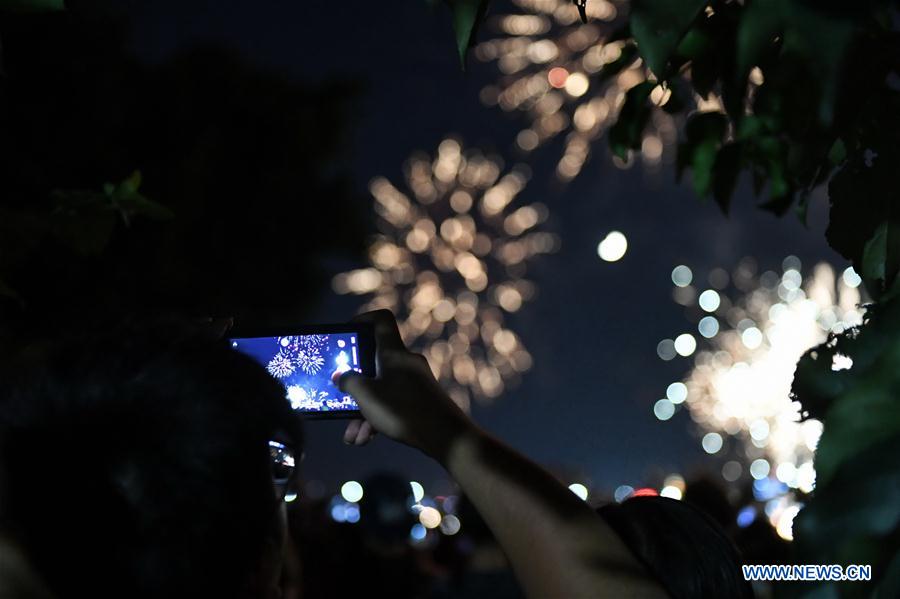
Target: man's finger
(352, 382)
(365, 434)
(352, 431)
(387, 335)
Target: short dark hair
(134, 462)
(683, 548)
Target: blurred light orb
(712, 442)
(450, 525)
(417, 490)
(576, 85)
(732, 470)
(663, 409)
(791, 263)
(665, 349)
(709, 300)
(622, 493)
(613, 246)
(351, 514)
(685, 344)
(786, 473)
(671, 492)
(682, 276)
(339, 512)
(785, 525)
(677, 392)
(708, 327)
(851, 279)
(418, 532)
(290, 497)
(759, 430)
(746, 516)
(557, 77)
(580, 490)
(752, 337)
(351, 491)
(759, 469)
(430, 517)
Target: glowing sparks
(550, 65)
(301, 351)
(450, 262)
(738, 390)
(280, 365)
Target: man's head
(136, 461)
(683, 548)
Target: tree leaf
(838, 152)
(819, 38)
(854, 508)
(881, 255)
(31, 5)
(467, 16)
(658, 27)
(704, 133)
(760, 23)
(628, 130)
(863, 198)
(705, 125)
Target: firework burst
(280, 365)
(304, 352)
(551, 68)
(306, 398)
(450, 262)
(738, 390)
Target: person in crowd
(137, 463)
(681, 546)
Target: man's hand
(404, 401)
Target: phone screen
(305, 363)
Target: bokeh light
(682, 276)
(580, 490)
(450, 525)
(352, 491)
(664, 409)
(417, 490)
(613, 247)
(451, 261)
(623, 492)
(430, 517)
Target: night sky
(586, 406)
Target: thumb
(354, 383)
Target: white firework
(281, 365)
(738, 390)
(305, 351)
(450, 261)
(310, 360)
(302, 398)
(551, 71)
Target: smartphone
(303, 360)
